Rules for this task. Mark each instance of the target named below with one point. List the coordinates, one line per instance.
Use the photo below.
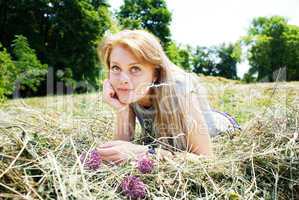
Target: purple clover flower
(133, 187)
(145, 165)
(93, 160)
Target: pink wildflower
(145, 165)
(133, 187)
(93, 160)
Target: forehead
(123, 54)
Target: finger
(116, 159)
(105, 152)
(116, 154)
(111, 93)
(111, 143)
(113, 157)
(106, 145)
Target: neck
(145, 102)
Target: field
(42, 138)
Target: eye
(135, 69)
(115, 68)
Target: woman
(170, 104)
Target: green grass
(41, 139)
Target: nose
(124, 78)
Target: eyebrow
(134, 63)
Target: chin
(129, 99)
(125, 100)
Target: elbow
(124, 137)
(205, 153)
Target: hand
(110, 96)
(119, 151)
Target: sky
(212, 22)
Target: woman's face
(129, 76)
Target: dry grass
(42, 138)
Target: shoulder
(185, 84)
(191, 84)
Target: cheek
(145, 82)
(142, 88)
(113, 81)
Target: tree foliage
(179, 55)
(273, 44)
(217, 60)
(22, 69)
(29, 70)
(151, 15)
(64, 33)
(7, 75)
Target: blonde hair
(176, 110)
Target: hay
(42, 140)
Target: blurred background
(49, 46)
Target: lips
(124, 89)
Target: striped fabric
(218, 122)
(223, 122)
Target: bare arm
(198, 137)
(125, 124)
(125, 117)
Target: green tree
(217, 60)
(77, 26)
(179, 55)
(203, 60)
(22, 69)
(29, 70)
(64, 33)
(273, 44)
(151, 15)
(7, 75)
(291, 37)
(228, 55)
